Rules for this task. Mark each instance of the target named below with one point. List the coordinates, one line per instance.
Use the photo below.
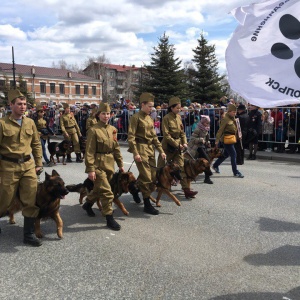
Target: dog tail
(74, 187)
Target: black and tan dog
(120, 183)
(194, 167)
(165, 178)
(214, 153)
(49, 194)
(59, 149)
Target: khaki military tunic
(90, 122)
(69, 125)
(19, 179)
(41, 124)
(227, 127)
(142, 139)
(173, 134)
(102, 151)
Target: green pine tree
(204, 80)
(164, 77)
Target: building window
(112, 83)
(2, 84)
(61, 88)
(52, 88)
(93, 90)
(112, 74)
(43, 87)
(77, 89)
(86, 89)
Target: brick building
(53, 86)
(119, 81)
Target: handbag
(291, 132)
(229, 139)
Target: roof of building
(120, 68)
(41, 71)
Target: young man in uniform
(142, 139)
(19, 139)
(102, 151)
(71, 132)
(174, 141)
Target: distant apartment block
(119, 81)
(53, 86)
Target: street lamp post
(33, 87)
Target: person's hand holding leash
(92, 176)
(138, 158)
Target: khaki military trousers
(147, 174)
(102, 190)
(21, 185)
(73, 137)
(176, 157)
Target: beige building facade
(53, 86)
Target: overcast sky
(46, 31)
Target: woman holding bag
(227, 134)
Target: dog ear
(54, 173)
(47, 176)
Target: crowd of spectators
(280, 126)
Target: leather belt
(143, 141)
(70, 127)
(16, 160)
(105, 152)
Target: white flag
(263, 55)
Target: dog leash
(188, 152)
(130, 166)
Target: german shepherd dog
(49, 194)
(120, 183)
(59, 149)
(201, 164)
(194, 167)
(165, 178)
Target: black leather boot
(112, 223)
(78, 158)
(87, 206)
(148, 208)
(136, 197)
(29, 236)
(207, 179)
(69, 159)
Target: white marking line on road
(112, 234)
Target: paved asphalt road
(239, 239)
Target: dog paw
(290, 29)
(39, 235)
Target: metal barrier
(120, 119)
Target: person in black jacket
(254, 129)
(243, 118)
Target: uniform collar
(143, 113)
(102, 124)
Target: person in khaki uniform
(92, 119)
(228, 126)
(19, 139)
(71, 132)
(102, 151)
(42, 127)
(142, 139)
(174, 141)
